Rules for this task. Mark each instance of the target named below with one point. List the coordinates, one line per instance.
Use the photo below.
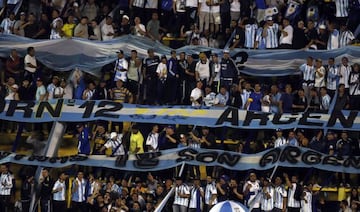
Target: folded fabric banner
(90, 56)
(65, 110)
(287, 156)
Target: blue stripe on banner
(289, 156)
(79, 110)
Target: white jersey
(116, 145)
(280, 194)
(320, 80)
(342, 8)
(6, 183)
(344, 72)
(253, 193)
(59, 195)
(280, 142)
(308, 74)
(182, 189)
(195, 197)
(271, 40)
(292, 202)
(121, 67)
(333, 42)
(54, 33)
(250, 35)
(345, 38)
(210, 190)
(267, 199)
(306, 203)
(152, 140)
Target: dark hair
(30, 49)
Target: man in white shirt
(267, 198)
(78, 197)
(152, 143)
(56, 25)
(7, 25)
(58, 191)
(30, 64)
(196, 196)
(293, 205)
(251, 189)
(280, 196)
(280, 140)
(210, 193)
(6, 185)
(107, 30)
(196, 96)
(286, 36)
(344, 72)
(182, 194)
(121, 67)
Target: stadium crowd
(262, 24)
(198, 80)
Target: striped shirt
(55, 34)
(138, 3)
(7, 25)
(195, 193)
(250, 35)
(59, 195)
(345, 38)
(6, 183)
(267, 199)
(320, 80)
(271, 40)
(121, 67)
(333, 41)
(354, 83)
(194, 144)
(344, 74)
(306, 205)
(79, 194)
(280, 142)
(210, 190)
(121, 94)
(308, 74)
(325, 102)
(280, 194)
(182, 189)
(292, 203)
(152, 140)
(260, 39)
(342, 8)
(116, 145)
(332, 75)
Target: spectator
(182, 194)
(314, 101)
(26, 188)
(32, 28)
(162, 72)
(342, 99)
(40, 94)
(204, 16)
(107, 29)
(67, 88)
(253, 103)
(196, 96)
(286, 37)
(330, 143)
(114, 144)
(344, 207)
(251, 29)
(136, 141)
(346, 36)
(167, 139)
(11, 89)
(332, 77)
(7, 25)
(38, 142)
(30, 65)
(196, 196)
(90, 9)
(280, 140)
(83, 139)
(101, 92)
(235, 191)
(293, 203)
(286, 100)
(267, 198)
(228, 70)
(300, 102)
(320, 73)
(56, 25)
(325, 99)
(343, 147)
(299, 36)
(344, 73)
(133, 75)
(306, 200)
(238, 35)
(354, 85)
(172, 79)
(280, 195)
(13, 66)
(124, 28)
(302, 139)
(202, 69)
(190, 35)
(251, 189)
(89, 92)
(6, 186)
(270, 33)
(44, 27)
(291, 140)
(334, 35)
(235, 97)
(19, 25)
(308, 72)
(46, 184)
(153, 28)
(26, 91)
(222, 97)
(311, 35)
(322, 38)
(150, 76)
(78, 195)
(225, 15)
(81, 30)
(58, 191)
(152, 140)
(210, 193)
(215, 18)
(51, 87)
(95, 31)
(100, 136)
(209, 97)
(68, 28)
(275, 96)
(121, 67)
(139, 29)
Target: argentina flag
(293, 10)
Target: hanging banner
(289, 156)
(63, 110)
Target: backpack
(298, 192)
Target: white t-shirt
(106, 29)
(11, 94)
(152, 140)
(137, 32)
(287, 39)
(180, 5)
(235, 6)
(204, 7)
(203, 69)
(31, 60)
(191, 3)
(196, 93)
(320, 81)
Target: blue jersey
(256, 101)
(84, 143)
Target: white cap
(126, 17)
(269, 18)
(113, 135)
(322, 26)
(75, 4)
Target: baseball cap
(39, 79)
(269, 18)
(278, 130)
(226, 51)
(322, 26)
(79, 125)
(126, 17)
(120, 51)
(22, 13)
